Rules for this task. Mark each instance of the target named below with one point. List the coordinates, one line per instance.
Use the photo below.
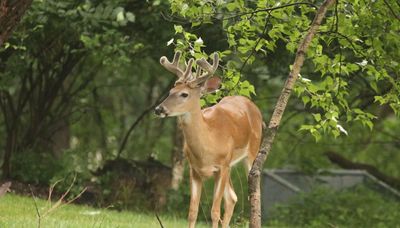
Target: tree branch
(268, 139)
(178, 20)
(257, 42)
(11, 13)
(347, 164)
(269, 10)
(391, 10)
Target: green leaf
(319, 49)
(335, 133)
(178, 29)
(329, 81)
(317, 117)
(202, 102)
(231, 6)
(130, 17)
(316, 135)
(305, 99)
(369, 124)
(120, 16)
(374, 86)
(306, 127)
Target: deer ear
(211, 85)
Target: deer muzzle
(160, 111)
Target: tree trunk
(9, 149)
(178, 158)
(11, 12)
(268, 139)
(99, 121)
(60, 138)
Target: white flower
(170, 42)
(303, 79)
(342, 129)
(363, 63)
(199, 41)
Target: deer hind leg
(230, 200)
(248, 162)
(219, 187)
(195, 195)
(254, 147)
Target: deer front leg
(219, 187)
(195, 195)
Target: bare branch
(51, 190)
(36, 207)
(159, 221)
(60, 202)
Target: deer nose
(158, 110)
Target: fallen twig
(159, 221)
(36, 207)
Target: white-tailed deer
(216, 138)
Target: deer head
(189, 87)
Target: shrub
(32, 167)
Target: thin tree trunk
(59, 140)
(99, 121)
(268, 139)
(11, 12)
(9, 150)
(178, 158)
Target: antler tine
(172, 67)
(198, 71)
(210, 69)
(188, 70)
(177, 56)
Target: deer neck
(194, 127)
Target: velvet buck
(216, 138)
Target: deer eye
(184, 94)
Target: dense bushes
(36, 168)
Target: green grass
(19, 211)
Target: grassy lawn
(19, 211)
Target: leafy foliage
(346, 63)
(231, 84)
